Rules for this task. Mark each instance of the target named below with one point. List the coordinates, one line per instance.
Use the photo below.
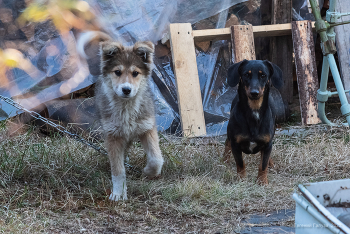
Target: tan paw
(242, 175)
(262, 180)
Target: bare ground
(57, 185)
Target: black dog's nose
(254, 93)
(126, 91)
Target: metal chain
(59, 128)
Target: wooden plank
(187, 80)
(225, 33)
(343, 44)
(243, 42)
(272, 30)
(259, 31)
(304, 55)
(212, 34)
(281, 48)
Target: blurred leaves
(65, 14)
(6, 61)
(36, 13)
(11, 58)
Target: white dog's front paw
(119, 188)
(117, 197)
(153, 167)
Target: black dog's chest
(250, 137)
(253, 145)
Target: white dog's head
(126, 67)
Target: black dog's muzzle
(254, 93)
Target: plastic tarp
(130, 21)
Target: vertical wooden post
(262, 44)
(242, 38)
(304, 55)
(282, 47)
(342, 39)
(187, 80)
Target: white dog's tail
(86, 37)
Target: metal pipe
(332, 5)
(330, 33)
(339, 23)
(321, 109)
(323, 91)
(315, 9)
(324, 74)
(330, 94)
(345, 108)
(320, 24)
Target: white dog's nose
(126, 90)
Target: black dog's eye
(134, 73)
(262, 75)
(118, 72)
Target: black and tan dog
(252, 119)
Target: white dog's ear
(109, 49)
(145, 50)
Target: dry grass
(54, 184)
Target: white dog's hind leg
(115, 148)
(150, 143)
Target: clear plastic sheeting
(301, 10)
(213, 89)
(58, 72)
(133, 20)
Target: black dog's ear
(276, 74)
(233, 73)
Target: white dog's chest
(127, 119)
(127, 127)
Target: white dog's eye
(118, 72)
(134, 73)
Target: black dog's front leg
(263, 167)
(237, 154)
(227, 153)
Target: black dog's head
(254, 76)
